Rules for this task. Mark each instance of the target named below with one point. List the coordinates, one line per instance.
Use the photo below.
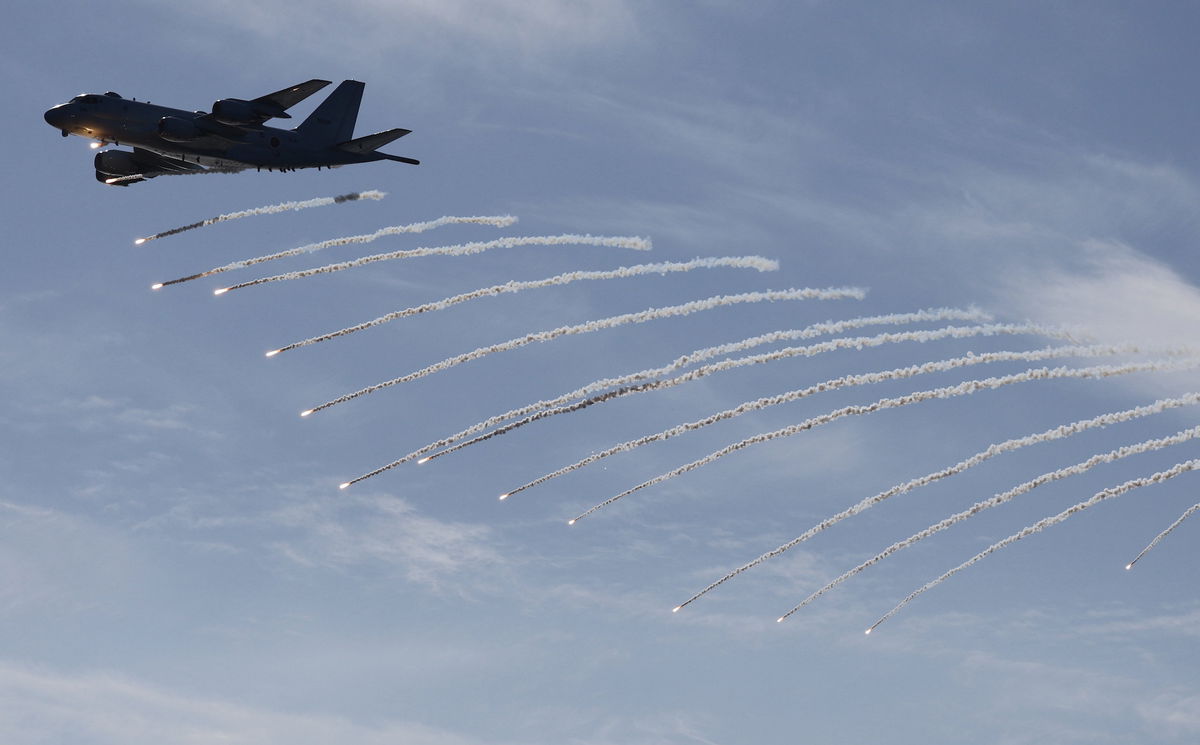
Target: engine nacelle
(235, 111)
(174, 129)
(117, 163)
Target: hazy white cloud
(1115, 292)
(50, 560)
(436, 26)
(527, 22)
(98, 708)
(450, 556)
(1172, 714)
(1183, 623)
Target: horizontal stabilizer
(401, 159)
(370, 143)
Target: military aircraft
(232, 137)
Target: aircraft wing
(143, 164)
(152, 161)
(238, 113)
(289, 97)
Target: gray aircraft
(229, 138)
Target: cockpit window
(86, 99)
(110, 94)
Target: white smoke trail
(829, 385)
(1065, 430)
(1003, 497)
(462, 249)
(651, 314)
(817, 329)
(268, 210)
(416, 227)
(735, 262)
(1111, 492)
(962, 389)
(857, 342)
(1158, 538)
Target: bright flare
(139, 241)
(1039, 526)
(156, 286)
(221, 291)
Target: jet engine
(174, 129)
(112, 164)
(117, 163)
(237, 112)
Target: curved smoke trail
(1158, 538)
(651, 314)
(1002, 498)
(734, 262)
(462, 249)
(845, 381)
(1044, 523)
(416, 227)
(699, 355)
(856, 342)
(962, 389)
(269, 210)
(1065, 430)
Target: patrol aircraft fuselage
(232, 137)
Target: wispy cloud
(1114, 292)
(50, 560)
(98, 708)
(1184, 623)
(1173, 714)
(533, 27)
(445, 556)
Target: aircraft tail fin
(333, 121)
(371, 143)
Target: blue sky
(179, 566)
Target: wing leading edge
(236, 112)
(289, 97)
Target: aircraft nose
(56, 117)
